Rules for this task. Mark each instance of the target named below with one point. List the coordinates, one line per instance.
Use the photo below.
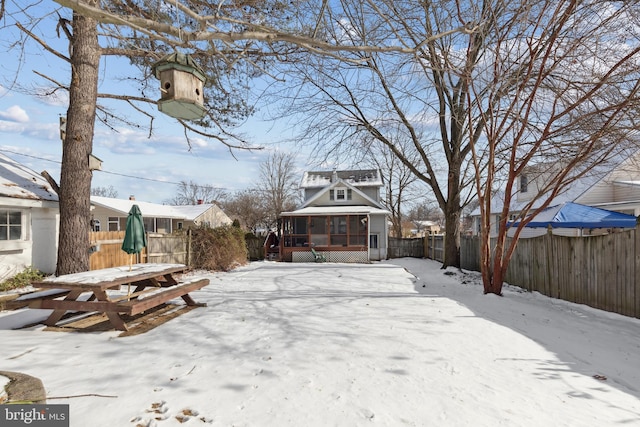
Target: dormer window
(340, 194)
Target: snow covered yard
(390, 344)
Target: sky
(395, 343)
(133, 163)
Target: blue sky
(133, 163)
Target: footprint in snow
(160, 411)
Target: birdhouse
(95, 164)
(181, 86)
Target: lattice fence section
(336, 256)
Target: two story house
(341, 218)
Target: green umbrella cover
(134, 236)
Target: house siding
(44, 236)
(612, 193)
(325, 200)
(378, 226)
(38, 245)
(102, 214)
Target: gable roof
(357, 178)
(341, 183)
(191, 212)
(20, 182)
(122, 206)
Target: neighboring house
(424, 228)
(341, 217)
(614, 186)
(29, 220)
(110, 214)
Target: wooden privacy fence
(434, 247)
(255, 249)
(399, 248)
(431, 246)
(600, 271)
(160, 249)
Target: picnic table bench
(152, 284)
(24, 300)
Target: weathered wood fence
(431, 246)
(600, 271)
(160, 249)
(399, 248)
(434, 247)
(255, 249)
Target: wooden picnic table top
(108, 278)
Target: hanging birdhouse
(181, 85)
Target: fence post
(425, 246)
(188, 256)
(636, 272)
(553, 285)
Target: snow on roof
(340, 210)
(628, 182)
(123, 206)
(191, 212)
(357, 178)
(20, 182)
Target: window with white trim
(113, 223)
(373, 241)
(340, 194)
(10, 225)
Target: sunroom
(341, 234)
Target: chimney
(200, 201)
(334, 176)
(132, 197)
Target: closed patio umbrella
(134, 237)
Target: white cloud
(14, 114)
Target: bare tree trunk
(453, 213)
(452, 237)
(75, 176)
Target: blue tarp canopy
(574, 215)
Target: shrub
(218, 249)
(22, 279)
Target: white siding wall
(378, 225)
(38, 246)
(45, 226)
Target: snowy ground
(400, 343)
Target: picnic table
(146, 285)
